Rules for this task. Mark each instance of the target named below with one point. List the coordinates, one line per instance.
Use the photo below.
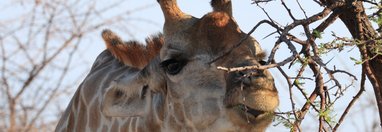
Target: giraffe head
(181, 86)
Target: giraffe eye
(173, 66)
(262, 62)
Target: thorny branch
(310, 58)
(355, 98)
(260, 1)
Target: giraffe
(172, 84)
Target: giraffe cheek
(204, 114)
(117, 103)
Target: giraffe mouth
(250, 111)
(246, 109)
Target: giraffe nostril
(241, 73)
(250, 77)
(245, 77)
(246, 81)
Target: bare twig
(331, 19)
(355, 98)
(257, 67)
(289, 11)
(370, 2)
(260, 1)
(302, 9)
(290, 96)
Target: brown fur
(218, 26)
(219, 30)
(222, 5)
(217, 19)
(132, 53)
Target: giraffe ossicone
(172, 83)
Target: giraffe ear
(126, 97)
(132, 53)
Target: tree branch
(355, 98)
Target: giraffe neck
(80, 119)
(84, 110)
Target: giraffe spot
(94, 120)
(115, 126)
(105, 128)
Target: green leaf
(317, 34)
(357, 62)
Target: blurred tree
(41, 46)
